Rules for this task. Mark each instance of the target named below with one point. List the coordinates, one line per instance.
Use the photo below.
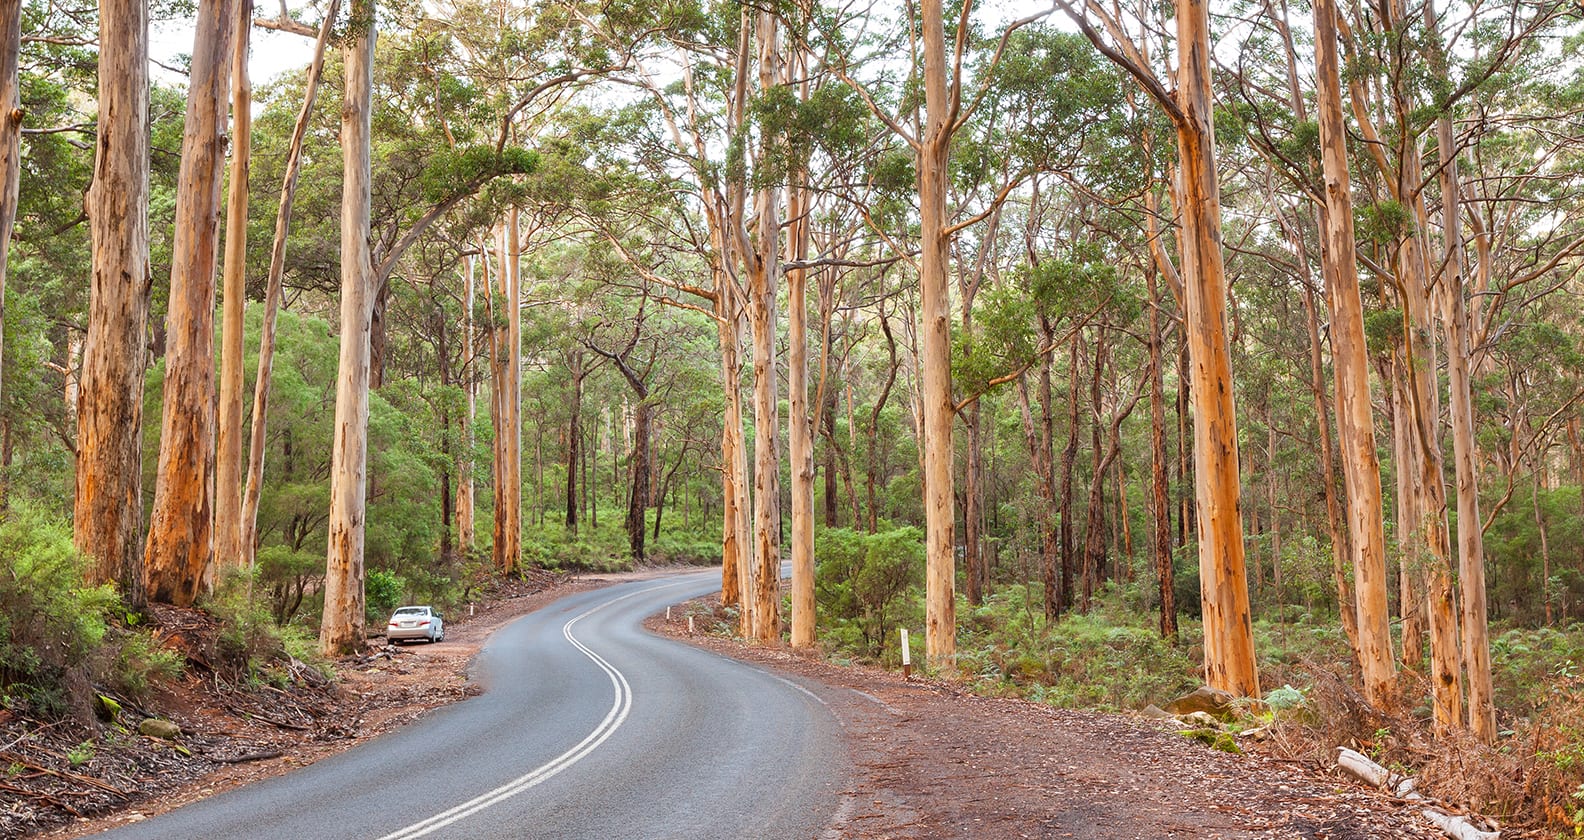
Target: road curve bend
(589, 727)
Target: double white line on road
(620, 706)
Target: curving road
(590, 727)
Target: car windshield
(412, 611)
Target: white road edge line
(620, 706)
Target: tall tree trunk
(828, 421)
(508, 441)
(1094, 510)
(228, 450)
(800, 432)
(1410, 578)
(575, 368)
(180, 550)
(108, 505)
(1069, 460)
(341, 630)
(10, 136)
(764, 271)
(1341, 542)
(736, 549)
(1160, 503)
(934, 330)
(872, 470)
(464, 491)
(1037, 434)
(1229, 632)
(1471, 537)
(272, 295)
(1355, 423)
(638, 497)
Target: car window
(412, 611)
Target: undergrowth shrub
(1109, 659)
(865, 587)
(50, 620)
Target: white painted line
(620, 706)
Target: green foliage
(81, 754)
(864, 587)
(140, 662)
(1110, 659)
(1384, 223)
(50, 620)
(382, 594)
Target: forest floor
(930, 760)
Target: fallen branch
(243, 759)
(64, 774)
(1360, 767)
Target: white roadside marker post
(690, 625)
(907, 657)
(668, 613)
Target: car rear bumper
(395, 634)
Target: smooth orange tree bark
(108, 505)
(1229, 632)
(341, 630)
(180, 551)
(507, 387)
(1229, 635)
(248, 536)
(1349, 355)
(228, 448)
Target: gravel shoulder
(933, 761)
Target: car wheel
(442, 636)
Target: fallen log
(1456, 826)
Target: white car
(414, 623)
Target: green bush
(383, 592)
(139, 662)
(1109, 659)
(863, 585)
(50, 620)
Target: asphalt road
(589, 727)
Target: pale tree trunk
(1229, 634)
(575, 368)
(508, 388)
(108, 506)
(1471, 538)
(1160, 503)
(764, 271)
(228, 451)
(1410, 578)
(934, 151)
(464, 492)
(1355, 422)
(1341, 550)
(341, 630)
(800, 432)
(10, 135)
(735, 545)
(1059, 592)
(272, 297)
(180, 551)
(1430, 547)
